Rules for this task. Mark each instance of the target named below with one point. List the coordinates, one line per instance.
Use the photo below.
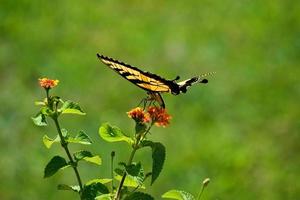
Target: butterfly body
(150, 82)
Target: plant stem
(139, 138)
(200, 193)
(125, 173)
(112, 170)
(147, 131)
(47, 94)
(64, 144)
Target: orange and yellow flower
(139, 115)
(154, 114)
(48, 83)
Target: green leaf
(65, 133)
(48, 142)
(102, 180)
(139, 196)
(178, 194)
(54, 165)
(74, 188)
(135, 175)
(39, 119)
(46, 111)
(113, 134)
(158, 158)
(93, 190)
(136, 170)
(104, 197)
(39, 103)
(80, 138)
(87, 156)
(70, 107)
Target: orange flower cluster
(48, 83)
(159, 116)
(156, 115)
(139, 115)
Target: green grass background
(241, 130)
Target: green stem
(47, 93)
(112, 170)
(64, 144)
(48, 97)
(146, 132)
(200, 193)
(125, 174)
(139, 138)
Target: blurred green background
(241, 130)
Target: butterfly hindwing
(183, 85)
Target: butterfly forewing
(144, 80)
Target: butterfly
(152, 83)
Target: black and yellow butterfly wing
(145, 80)
(152, 83)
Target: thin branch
(64, 144)
(112, 170)
(200, 193)
(139, 138)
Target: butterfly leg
(155, 97)
(141, 102)
(144, 102)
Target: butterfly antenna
(204, 80)
(207, 74)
